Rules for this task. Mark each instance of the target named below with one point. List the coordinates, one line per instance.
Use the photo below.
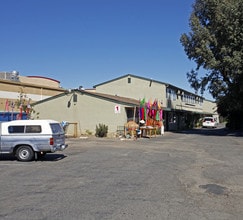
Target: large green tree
(215, 43)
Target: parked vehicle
(28, 139)
(209, 122)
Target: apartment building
(182, 109)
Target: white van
(28, 139)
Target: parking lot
(196, 174)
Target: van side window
(33, 129)
(16, 129)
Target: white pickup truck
(29, 139)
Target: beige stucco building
(182, 108)
(113, 103)
(85, 110)
(15, 89)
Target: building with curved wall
(15, 89)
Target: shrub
(101, 130)
(88, 132)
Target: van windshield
(56, 128)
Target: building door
(132, 114)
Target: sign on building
(117, 109)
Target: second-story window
(170, 94)
(191, 99)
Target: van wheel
(24, 153)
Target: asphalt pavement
(196, 174)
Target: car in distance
(209, 122)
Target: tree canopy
(215, 43)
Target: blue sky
(87, 42)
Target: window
(191, 99)
(33, 129)
(56, 128)
(24, 129)
(129, 80)
(16, 129)
(200, 101)
(170, 94)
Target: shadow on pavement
(48, 157)
(222, 131)
(52, 157)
